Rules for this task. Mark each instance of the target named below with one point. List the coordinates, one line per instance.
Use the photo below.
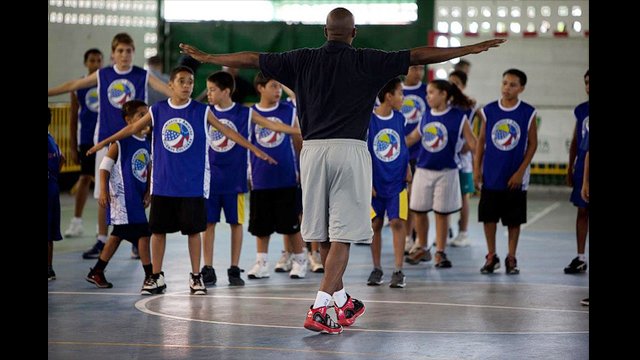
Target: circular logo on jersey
(218, 141)
(92, 100)
(434, 136)
(585, 126)
(120, 91)
(139, 163)
(413, 107)
(505, 134)
(386, 145)
(177, 135)
(267, 137)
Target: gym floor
(454, 313)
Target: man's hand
(486, 45)
(193, 51)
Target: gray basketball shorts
(335, 175)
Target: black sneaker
(397, 279)
(441, 260)
(511, 264)
(94, 251)
(577, 266)
(375, 278)
(234, 276)
(491, 264)
(196, 285)
(153, 284)
(209, 277)
(52, 274)
(97, 278)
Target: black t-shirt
(335, 85)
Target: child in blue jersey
(274, 188)
(117, 84)
(464, 159)
(84, 115)
(180, 178)
(229, 165)
(414, 104)
(53, 198)
(575, 174)
(507, 142)
(436, 183)
(390, 161)
(124, 193)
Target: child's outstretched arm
(75, 84)
(123, 133)
(239, 139)
(273, 125)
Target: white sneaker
(462, 240)
(284, 263)
(75, 229)
(298, 269)
(408, 245)
(315, 262)
(259, 270)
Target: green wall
(221, 37)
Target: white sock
(581, 257)
(408, 239)
(262, 257)
(322, 300)
(300, 258)
(102, 238)
(76, 220)
(340, 297)
(462, 233)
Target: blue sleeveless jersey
(277, 145)
(115, 89)
(389, 153)
(128, 182)
(229, 161)
(87, 114)
(54, 161)
(440, 136)
(414, 105)
(581, 113)
(507, 132)
(179, 150)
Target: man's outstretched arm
(429, 55)
(243, 59)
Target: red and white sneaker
(318, 320)
(349, 312)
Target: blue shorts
(576, 197)
(232, 204)
(53, 205)
(396, 207)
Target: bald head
(340, 25)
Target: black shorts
(170, 214)
(299, 200)
(508, 205)
(87, 163)
(273, 210)
(131, 232)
